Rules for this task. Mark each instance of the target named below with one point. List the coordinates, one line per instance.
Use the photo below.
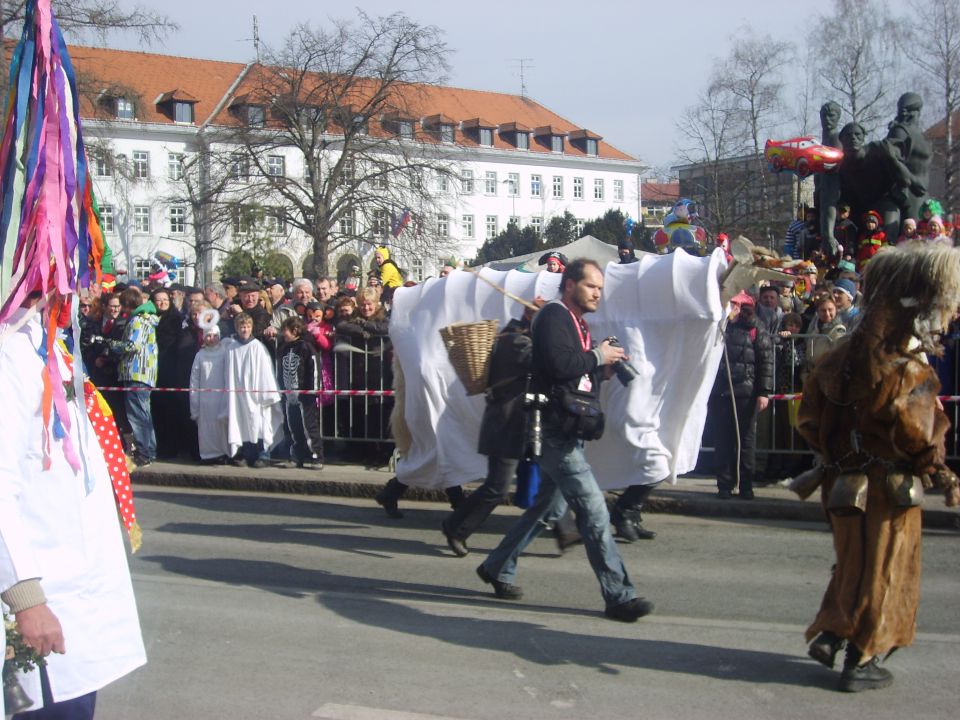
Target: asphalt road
(266, 606)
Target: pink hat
(743, 298)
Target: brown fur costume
(871, 405)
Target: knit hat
(625, 244)
(846, 286)
(910, 223)
(743, 298)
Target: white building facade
(139, 149)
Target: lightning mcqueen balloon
(802, 155)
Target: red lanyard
(583, 332)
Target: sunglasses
(84, 305)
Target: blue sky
(625, 69)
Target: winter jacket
(749, 353)
(138, 349)
(502, 430)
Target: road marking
(334, 711)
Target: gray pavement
(284, 606)
(692, 495)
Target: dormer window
(550, 137)
(123, 109)
(479, 130)
(183, 112)
(516, 134)
(399, 125)
(177, 105)
(250, 113)
(441, 127)
(586, 141)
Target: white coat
(53, 529)
(254, 415)
(209, 409)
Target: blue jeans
(566, 478)
(141, 422)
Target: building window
(106, 218)
(276, 166)
(448, 134)
(378, 181)
(466, 225)
(515, 221)
(244, 219)
(102, 166)
(557, 187)
(141, 219)
(491, 226)
(183, 112)
(535, 186)
(142, 267)
(443, 183)
(590, 146)
(580, 225)
(346, 223)
(443, 226)
(175, 166)
(578, 188)
(141, 164)
(275, 221)
(536, 223)
(466, 182)
(513, 184)
(256, 116)
(523, 141)
(405, 129)
(124, 109)
(598, 189)
(381, 223)
(359, 125)
(416, 269)
(178, 220)
(239, 166)
(618, 190)
(556, 143)
(490, 182)
(485, 136)
(740, 206)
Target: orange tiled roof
(655, 192)
(150, 76)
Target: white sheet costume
(664, 309)
(62, 527)
(257, 415)
(209, 409)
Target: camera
(625, 371)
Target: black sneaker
(724, 495)
(825, 647)
(389, 505)
(629, 611)
(504, 591)
(869, 676)
(458, 546)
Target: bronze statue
(909, 152)
(827, 186)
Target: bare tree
(349, 101)
(931, 41)
(750, 75)
(98, 18)
(857, 64)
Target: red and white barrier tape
(343, 393)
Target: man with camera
(568, 369)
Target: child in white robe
(209, 409)
(254, 415)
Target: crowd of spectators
(147, 344)
(778, 331)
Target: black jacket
(558, 355)
(750, 354)
(297, 370)
(502, 431)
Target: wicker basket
(468, 346)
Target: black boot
(388, 497)
(825, 647)
(455, 496)
(857, 677)
(626, 517)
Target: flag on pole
(399, 223)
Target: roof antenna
(525, 64)
(256, 38)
